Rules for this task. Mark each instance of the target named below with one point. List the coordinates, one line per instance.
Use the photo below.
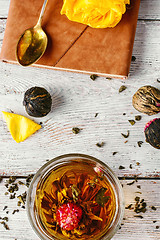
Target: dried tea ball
(147, 100)
(152, 132)
(37, 102)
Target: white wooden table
(76, 100)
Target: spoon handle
(42, 12)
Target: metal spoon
(32, 43)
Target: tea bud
(152, 133)
(147, 100)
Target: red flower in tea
(69, 215)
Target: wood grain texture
(149, 10)
(4, 7)
(2, 29)
(76, 99)
(132, 227)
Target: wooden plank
(76, 99)
(4, 7)
(132, 227)
(146, 48)
(2, 29)
(148, 9)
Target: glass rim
(74, 156)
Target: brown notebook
(73, 46)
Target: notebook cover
(73, 46)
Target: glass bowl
(82, 180)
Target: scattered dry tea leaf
(29, 179)
(129, 206)
(11, 179)
(75, 130)
(121, 167)
(20, 183)
(114, 153)
(12, 188)
(137, 199)
(5, 225)
(125, 135)
(133, 59)
(14, 211)
(132, 122)
(22, 198)
(138, 216)
(1, 179)
(153, 208)
(5, 219)
(131, 183)
(140, 206)
(122, 88)
(5, 207)
(140, 143)
(100, 144)
(93, 77)
(138, 118)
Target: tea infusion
(75, 201)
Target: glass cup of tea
(75, 196)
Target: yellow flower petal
(97, 14)
(19, 126)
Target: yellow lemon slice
(19, 126)
(95, 13)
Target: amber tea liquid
(83, 184)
